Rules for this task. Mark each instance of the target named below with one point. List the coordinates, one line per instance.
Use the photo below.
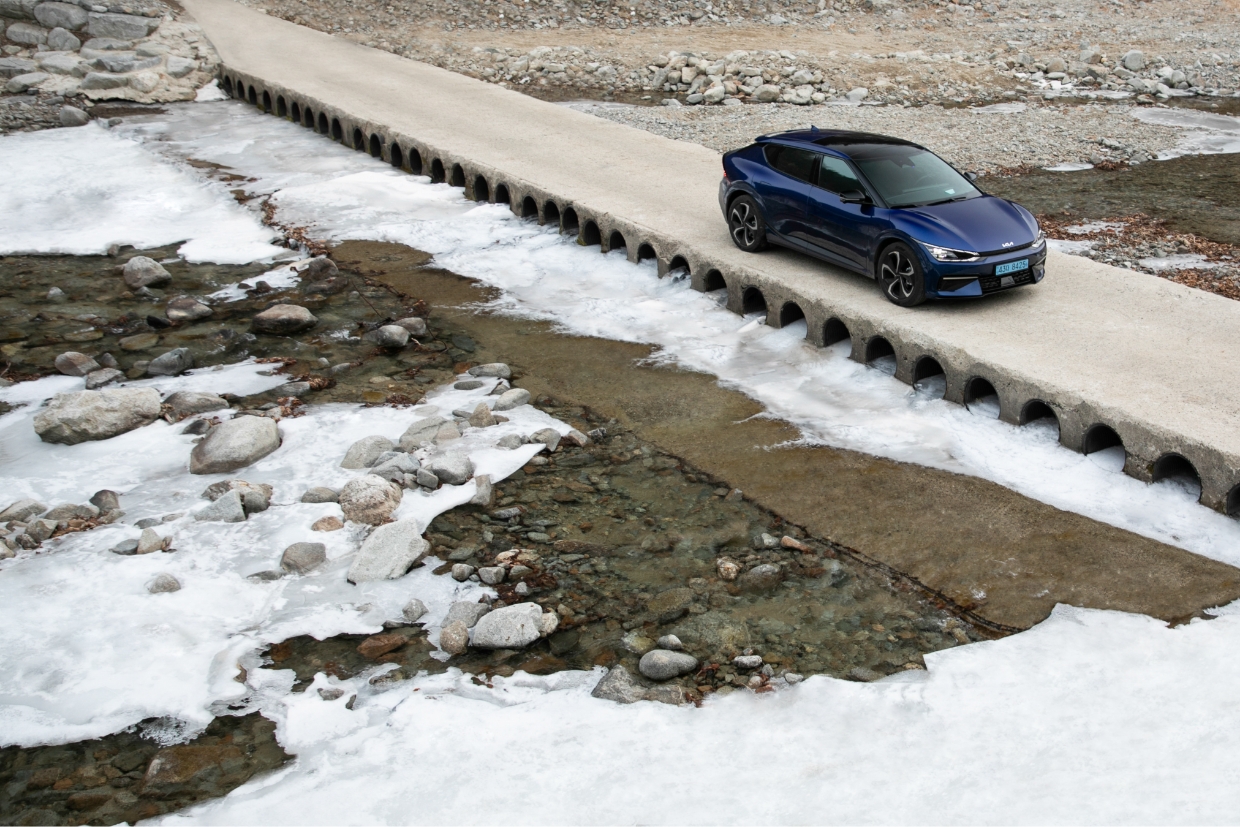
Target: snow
(1179, 261)
(1070, 247)
(1209, 134)
(1000, 109)
(210, 92)
(1070, 166)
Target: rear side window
(799, 163)
(836, 176)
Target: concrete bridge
(1117, 357)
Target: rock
(187, 403)
(389, 552)
(141, 341)
(415, 325)
(104, 500)
(179, 67)
(1133, 60)
(22, 511)
(714, 94)
(414, 610)
(426, 479)
(481, 417)
(451, 469)
(72, 363)
(547, 436)
(327, 524)
(71, 511)
(96, 81)
(446, 433)
(27, 34)
(857, 95)
(862, 674)
(364, 452)
(300, 558)
(162, 584)
(493, 369)
(512, 627)
(255, 497)
(283, 320)
(468, 385)
(226, 509)
(577, 438)
(40, 529)
(186, 309)
(369, 499)
(149, 542)
(23, 83)
(125, 548)
(510, 442)
(761, 578)
(72, 116)
(491, 575)
(637, 643)
(11, 67)
(670, 604)
(421, 433)
(663, 664)
(376, 646)
(484, 497)
(510, 399)
(619, 686)
(97, 379)
(454, 638)
(389, 336)
(766, 93)
(234, 444)
(466, 612)
(173, 363)
(462, 572)
(72, 418)
(62, 40)
(747, 661)
(671, 642)
(143, 271)
(320, 494)
(63, 15)
(120, 26)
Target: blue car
(884, 207)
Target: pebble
(163, 583)
(143, 271)
(283, 320)
(72, 363)
(320, 494)
(760, 578)
(462, 572)
(466, 612)
(454, 638)
(670, 642)
(663, 664)
(510, 399)
(619, 686)
(103, 377)
(747, 661)
(149, 542)
(227, 508)
(491, 575)
(390, 336)
(497, 370)
(173, 363)
(301, 558)
(451, 469)
(328, 523)
(414, 610)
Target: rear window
(799, 163)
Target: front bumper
(952, 280)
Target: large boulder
(63, 15)
(143, 271)
(71, 418)
(421, 433)
(120, 26)
(389, 552)
(369, 499)
(234, 444)
(283, 320)
(512, 627)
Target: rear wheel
(899, 273)
(745, 224)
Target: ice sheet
(1209, 134)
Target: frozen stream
(1090, 717)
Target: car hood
(981, 225)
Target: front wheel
(899, 273)
(745, 224)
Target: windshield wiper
(944, 201)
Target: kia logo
(1008, 243)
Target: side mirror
(972, 176)
(855, 197)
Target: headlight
(946, 254)
(1037, 242)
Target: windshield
(908, 176)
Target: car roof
(840, 140)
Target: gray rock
(454, 638)
(40, 529)
(72, 363)
(766, 93)
(547, 436)
(24, 83)
(494, 369)
(369, 499)
(266, 576)
(62, 40)
(761, 578)
(857, 95)
(188, 403)
(863, 674)
(125, 548)
(447, 432)
(414, 610)
(462, 572)
(179, 67)
(149, 542)
(509, 441)
(63, 15)
(747, 661)
(234, 444)
(466, 612)
(671, 643)
(451, 469)
(481, 417)
(143, 271)
(396, 469)
(510, 399)
(27, 34)
(364, 452)
(72, 116)
(283, 320)
(468, 385)
(173, 363)
(670, 604)
(22, 511)
(255, 497)
(389, 336)
(226, 509)
(793, 677)
(484, 497)
(72, 418)
(104, 500)
(300, 558)
(11, 67)
(1133, 60)
(105, 44)
(491, 575)
(102, 81)
(163, 583)
(421, 433)
(512, 627)
(637, 643)
(389, 552)
(663, 664)
(120, 26)
(59, 63)
(320, 494)
(415, 325)
(18, 9)
(426, 479)
(71, 511)
(576, 437)
(186, 309)
(619, 686)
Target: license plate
(1012, 267)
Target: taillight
(725, 171)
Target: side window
(834, 175)
(798, 163)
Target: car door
(845, 231)
(785, 189)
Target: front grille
(993, 284)
(1005, 250)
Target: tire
(900, 275)
(746, 225)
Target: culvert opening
(281, 107)
(337, 130)
(1233, 502)
(298, 116)
(981, 397)
(569, 223)
(1104, 446)
(376, 146)
(253, 96)
(458, 176)
(228, 86)
(714, 281)
(359, 140)
(397, 157)
(1036, 410)
(415, 161)
(789, 313)
(482, 190)
(551, 214)
(880, 355)
(678, 268)
(590, 236)
(645, 252)
(437, 173)
(1176, 469)
(929, 377)
(501, 194)
(323, 127)
(266, 101)
(835, 331)
(529, 207)
(616, 241)
(752, 301)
